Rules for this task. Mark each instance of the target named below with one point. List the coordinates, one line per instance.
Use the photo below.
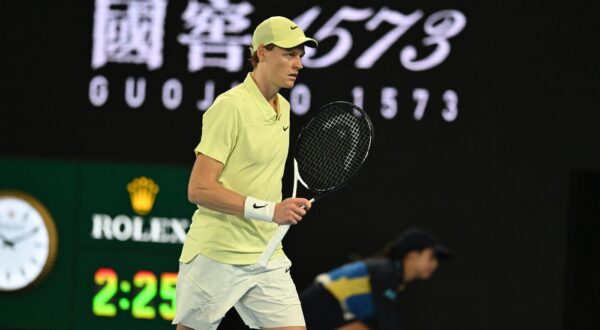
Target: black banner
(480, 111)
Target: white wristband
(256, 209)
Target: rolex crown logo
(142, 193)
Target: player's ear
(261, 53)
(413, 253)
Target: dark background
(495, 185)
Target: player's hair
(254, 58)
(383, 252)
(391, 251)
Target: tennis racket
(332, 147)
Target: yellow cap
(282, 32)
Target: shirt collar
(265, 108)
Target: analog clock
(28, 241)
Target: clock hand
(25, 236)
(6, 242)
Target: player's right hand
(290, 211)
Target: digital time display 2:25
(146, 291)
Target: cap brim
(442, 252)
(293, 42)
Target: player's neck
(269, 91)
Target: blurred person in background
(365, 294)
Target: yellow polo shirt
(242, 131)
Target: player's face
(426, 263)
(284, 65)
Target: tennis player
(365, 295)
(236, 183)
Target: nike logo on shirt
(285, 128)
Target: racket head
(333, 146)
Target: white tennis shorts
(263, 297)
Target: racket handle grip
(273, 244)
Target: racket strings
(333, 146)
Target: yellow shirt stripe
(344, 287)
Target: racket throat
(297, 178)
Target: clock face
(28, 241)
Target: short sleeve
(219, 130)
(384, 284)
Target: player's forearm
(218, 198)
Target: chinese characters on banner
(217, 34)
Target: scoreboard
(120, 229)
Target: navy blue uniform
(364, 291)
